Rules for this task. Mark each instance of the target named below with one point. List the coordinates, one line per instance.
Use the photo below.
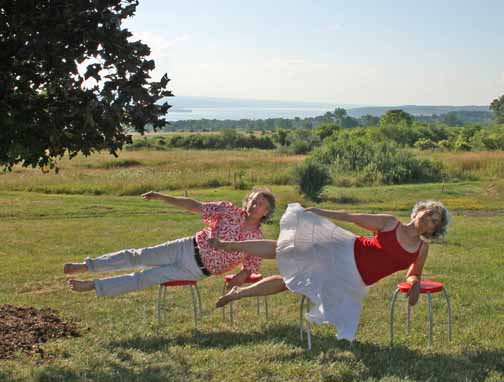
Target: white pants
(173, 260)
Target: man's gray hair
(435, 205)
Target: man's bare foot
(81, 285)
(233, 294)
(71, 268)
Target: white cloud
(333, 28)
(282, 62)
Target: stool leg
(392, 304)
(199, 302)
(301, 329)
(308, 326)
(224, 307)
(408, 322)
(195, 311)
(160, 293)
(445, 293)
(165, 291)
(429, 299)
(266, 307)
(258, 306)
(231, 312)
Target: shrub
(299, 147)
(425, 144)
(311, 178)
(382, 163)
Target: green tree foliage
(339, 116)
(280, 136)
(47, 108)
(311, 178)
(451, 119)
(369, 120)
(497, 108)
(396, 117)
(325, 130)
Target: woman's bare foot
(233, 294)
(71, 268)
(81, 285)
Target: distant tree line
(395, 126)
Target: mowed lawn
(40, 232)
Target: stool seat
(254, 277)
(426, 286)
(179, 283)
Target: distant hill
(416, 110)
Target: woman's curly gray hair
(266, 192)
(435, 205)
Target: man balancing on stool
(189, 258)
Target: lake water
(234, 113)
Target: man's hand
(151, 195)
(414, 293)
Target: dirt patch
(25, 329)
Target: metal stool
(254, 277)
(195, 294)
(426, 287)
(301, 320)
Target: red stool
(193, 285)
(426, 287)
(254, 277)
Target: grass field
(92, 207)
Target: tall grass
(135, 172)
(484, 164)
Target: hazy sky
(442, 52)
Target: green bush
(311, 178)
(425, 144)
(376, 163)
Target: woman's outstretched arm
(372, 222)
(182, 202)
(261, 248)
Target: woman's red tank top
(381, 255)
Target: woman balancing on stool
(332, 266)
(189, 258)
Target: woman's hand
(215, 243)
(312, 209)
(151, 195)
(414, 293)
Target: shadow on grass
(376, 361)
(355, 361)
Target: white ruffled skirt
(316, 259)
